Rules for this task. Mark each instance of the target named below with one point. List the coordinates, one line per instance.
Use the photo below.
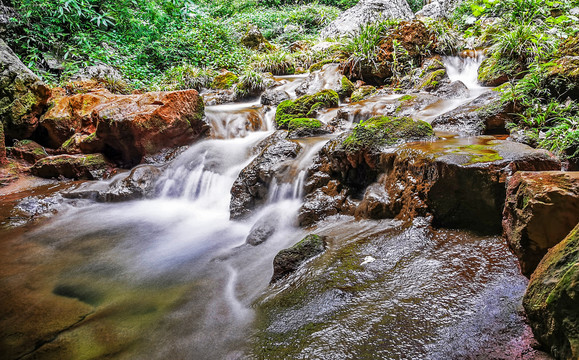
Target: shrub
(187, 76)
(277, 63)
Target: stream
(172, 277)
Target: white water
(464, 69)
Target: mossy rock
(384, 130)
(570, 47)
(563, 76)
(362, 92)
(552, 298)
(89, 167)
(346, 88)
(320, 64)
(305, 106)
(254, 40)
(289, 260)
(224, 80)
(305, 127)
(432, 80)
(495, 71)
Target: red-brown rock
(540, 210)
(89, 167)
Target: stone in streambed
(250, 189)
(89, 167)
(289, 260)
(263, 229)
(306, 127)
(274, 97)
(28, 151)
(305, 106)
(552, 299)
(362, 93)
(540, 210)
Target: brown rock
(29, 151)
(552, 299)
(540, 210)
(89, 167)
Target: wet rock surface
(541, 209)
(28, 151)
(251, 186)
(23, 96)
(289, 260)
(486, 114)
(274, 97)
(88, 167)
(552, 301)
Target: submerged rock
(487, 114)
(552, 298)
(263, 229)
(289, 260)
(23, 96)
(540, 210)
(88, 167)
(250, 189)
(367, 11)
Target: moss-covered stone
(346, 88)
(305, 127)
(383, 130)
(305, 106)
(91, 166)
(495, 71)
(362, 92)
(563, 76)
(570, 47)
(253, 39)
(224, 80)
(432, 80)
(289, 260)
(320, 64)
(2, 144)
(552, 298)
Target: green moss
(432, 79)
(479, 153)
(495, 70)
(304, 123)
(379, 131)
(304, 107)
(224, 81)
(346, 87)
(362, 92)
(406, 98)
(319, 65)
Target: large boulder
(438, 9)
(540, 210)
(132, 126)
(28, 151)
(88, 167)
(250, 189)
(289, 260)
(68, 115)
(23, 95)
(487, 114)
(552, 299)
(367, 11)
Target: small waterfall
(464, 67)
(236, 120)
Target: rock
(225, 80)
(274, 97)
(305, 106)
(408, 105)
(487, 114)
(68, 115)
(328, 78)
(263, 229)
(306, 127)
(570, 47)
(23, 96)
(218, 97)
(496, 71)
(552, 299)
(250, 189)
(300, 45)
(2, 145)
(366, 11)
(254, 40)
(97, 72)
(89, 167)
(133, 126)
(375, 204)
(289, 260)
(140, 183)
(438, 9)
(346, 88)
(540, 210)
(563, 77)
(348, 164)
(461, 182)
(362, 92)
(28, 151)
(453, 90)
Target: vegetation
(305, 106)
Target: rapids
(172, 278)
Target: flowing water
(172, 278)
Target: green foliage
(277, 63)
(447, 37)
(342, 4)
(304, 123)
(187, 76)
(523, 43)
(250, 83)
